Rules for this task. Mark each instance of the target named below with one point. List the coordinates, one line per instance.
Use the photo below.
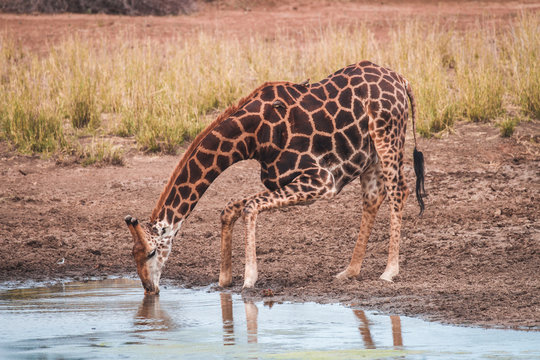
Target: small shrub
(507, 127)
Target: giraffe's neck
(209, 155)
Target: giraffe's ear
(278, 103)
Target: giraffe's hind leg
(373, 194)
(311, 185)
(389, 143)
(397, 196)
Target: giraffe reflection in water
(227, 317)
(366, 333)
(150, 316)
(252, 313)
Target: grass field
(164, 93)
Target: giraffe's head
(151, 248)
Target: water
(112, 319)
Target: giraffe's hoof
(225, 282)
(250, 277)
(344, 275)
(347, 274)
(134, 221)
(127, 219)
(388, 276)
(249, 284)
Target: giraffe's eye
(155, 230)
(152, 253)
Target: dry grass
(164, 93)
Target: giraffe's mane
(194, 144)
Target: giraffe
(311, 139)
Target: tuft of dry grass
(100, 152)
(507, 127)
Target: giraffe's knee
(406, 192)
(249, 210)
(399, 197)
(403, 189)
(226, 216)
(230, 213)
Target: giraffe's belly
(345, 157)
(346, 171)
(350, 154)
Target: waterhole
(111, 319)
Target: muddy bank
(473, 258)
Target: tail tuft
(418, 159)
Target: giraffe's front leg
(311, 185)
(229, 215)
(250, 275)
(225, 270)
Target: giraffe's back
(325, 124)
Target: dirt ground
(39, 33)
(473, 258)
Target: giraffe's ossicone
(310, 140)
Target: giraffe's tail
(418, 156)
(418, 159)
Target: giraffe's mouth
(150, 289)
(151, 292)
(150, 279)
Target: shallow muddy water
(113, 319)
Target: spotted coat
(310, 140)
